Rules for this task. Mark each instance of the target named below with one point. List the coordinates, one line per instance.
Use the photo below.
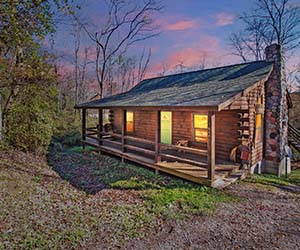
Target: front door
(166, 127)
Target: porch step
(231, 178)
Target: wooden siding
(226, 129)
(182, 126)
(227, 136)
(257, 149)
(144, 123)
(246, 105)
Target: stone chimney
(276, 114)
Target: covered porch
(198, 165)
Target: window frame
(258, 141)
(204, 139)
(130, 132)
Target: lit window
(129, 121)
(258, 128)
(259, 124)
(200, 128)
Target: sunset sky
(190, 30)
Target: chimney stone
(276, 114)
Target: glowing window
(259, 124)
(129, 121)
(200, 123)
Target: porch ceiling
(205, 88)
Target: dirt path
(265, 219)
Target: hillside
(82, 200)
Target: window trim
(260, 101)
(133, 128)
(260, 129)
(203, 129)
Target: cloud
(205, 51)
(181, 25)
(224, 19)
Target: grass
(269, 179)
(184, 201)
(79, 149)
(164, 195)
(40, 210)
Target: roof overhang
(180, 108)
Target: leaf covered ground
(79, 198)
(83, 200)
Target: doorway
(166, 127)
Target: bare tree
(76, 34)
(127, 71)
(128, 22)
(181, 67)
(271, 21)
(251, 42)
(143, 66)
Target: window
(258, 128)
(259, 124)
(200, 124)
(129, 121)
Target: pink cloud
(181, 25)
(224, 19)
(206, 51)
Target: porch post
(157, 136)
(100, 126)
(123, 129)
(83, 126)
(211, 146)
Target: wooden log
(91, 136)
(123, 133)
(185, 149)
(83, 126)
(157, 137)
(111, 134)
(112, 142)
(91, 133)
(138, 149)
(184, 160)
(138, 139)
(93, 129)
(100, 125)
(126, 137)
(211, 145)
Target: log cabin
(211, 126)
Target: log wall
(246, 107)
(227, 136)
(182, 128)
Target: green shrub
(29, 121)
(64, 141)
(71, 138)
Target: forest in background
(37, 90)
(57, 195)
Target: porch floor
(225, 172)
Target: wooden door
(166, 127)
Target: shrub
(29, 121)
(67, 140)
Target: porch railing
(116, 139)
(155, 149)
